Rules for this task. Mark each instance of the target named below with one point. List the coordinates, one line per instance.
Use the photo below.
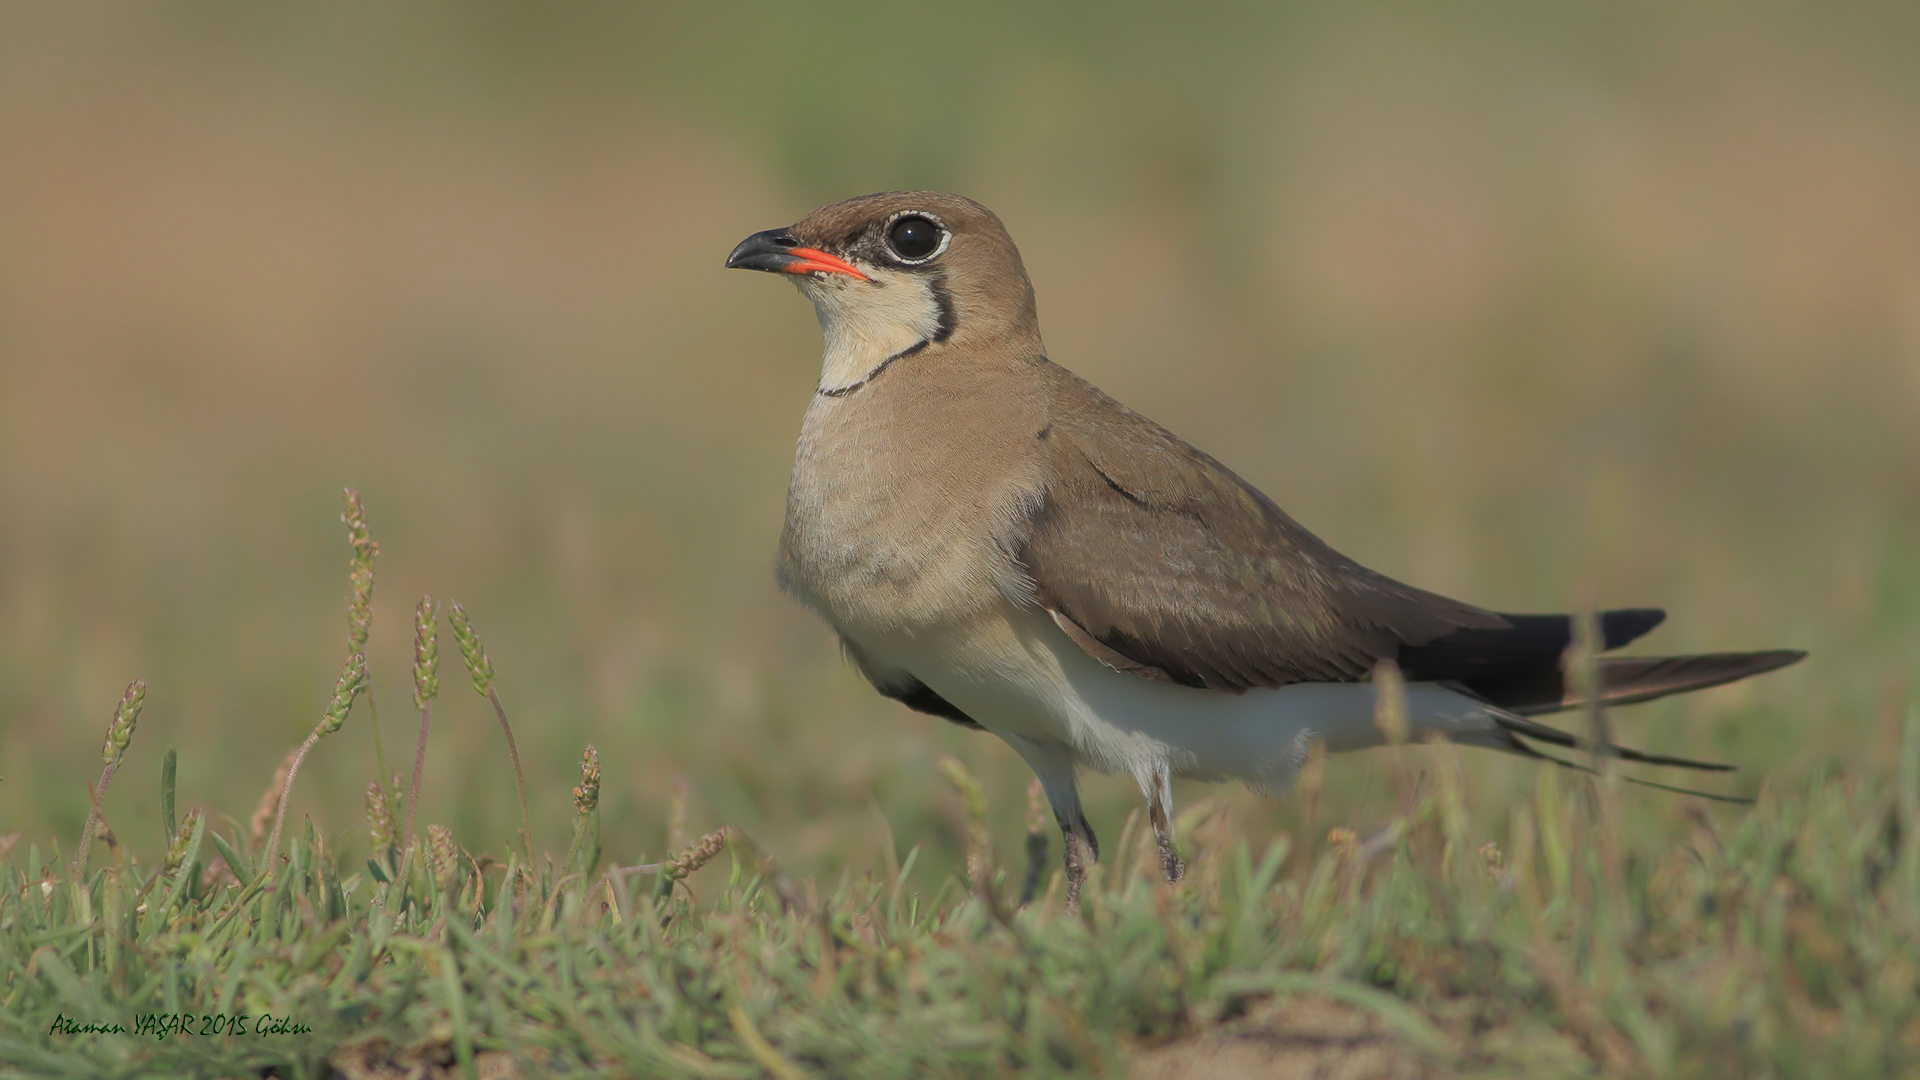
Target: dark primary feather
(1521, 643)
(1624, 680)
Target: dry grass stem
(1581, 667)
(474, 653)
(269, 804)
(119, 734)
(1390, 716)
(353, 682)
(1039, 816)
(973, 803)
(1309, 785)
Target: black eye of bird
(914, 237)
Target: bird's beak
(778, 251)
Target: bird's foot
(1172, 866)
(1160, 813)
(1076, 865)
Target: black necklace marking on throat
(843, 391)
(943, 300)
(942, 330)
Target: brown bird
(999, 543)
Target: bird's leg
(1159, 790)
(1076, 868)
(1052, 765)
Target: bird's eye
(915, 238)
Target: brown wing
(1158, 560)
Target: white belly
(1015, 673)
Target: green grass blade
(234, 860)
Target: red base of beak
(809, 260)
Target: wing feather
(1157, 559)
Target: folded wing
(1159, 561)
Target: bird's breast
(900, 520)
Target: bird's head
(898, 271)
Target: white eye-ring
(915, 236)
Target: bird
(999, 543)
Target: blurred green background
(1523, 303)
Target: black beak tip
(763, 251)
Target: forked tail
(1629, 680)
(1519, 670)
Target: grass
(1590, 937)
(1611, 302)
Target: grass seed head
(353, 682)
(359, 573)
(587, 795)
(177, 852)
(471, 650)
(1343, 840)
(379, 818)
(125, 716)
(697, 856)
(426, 654)
(443, 858)
(971, 794)
(1390, 702)
(1492, 860)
